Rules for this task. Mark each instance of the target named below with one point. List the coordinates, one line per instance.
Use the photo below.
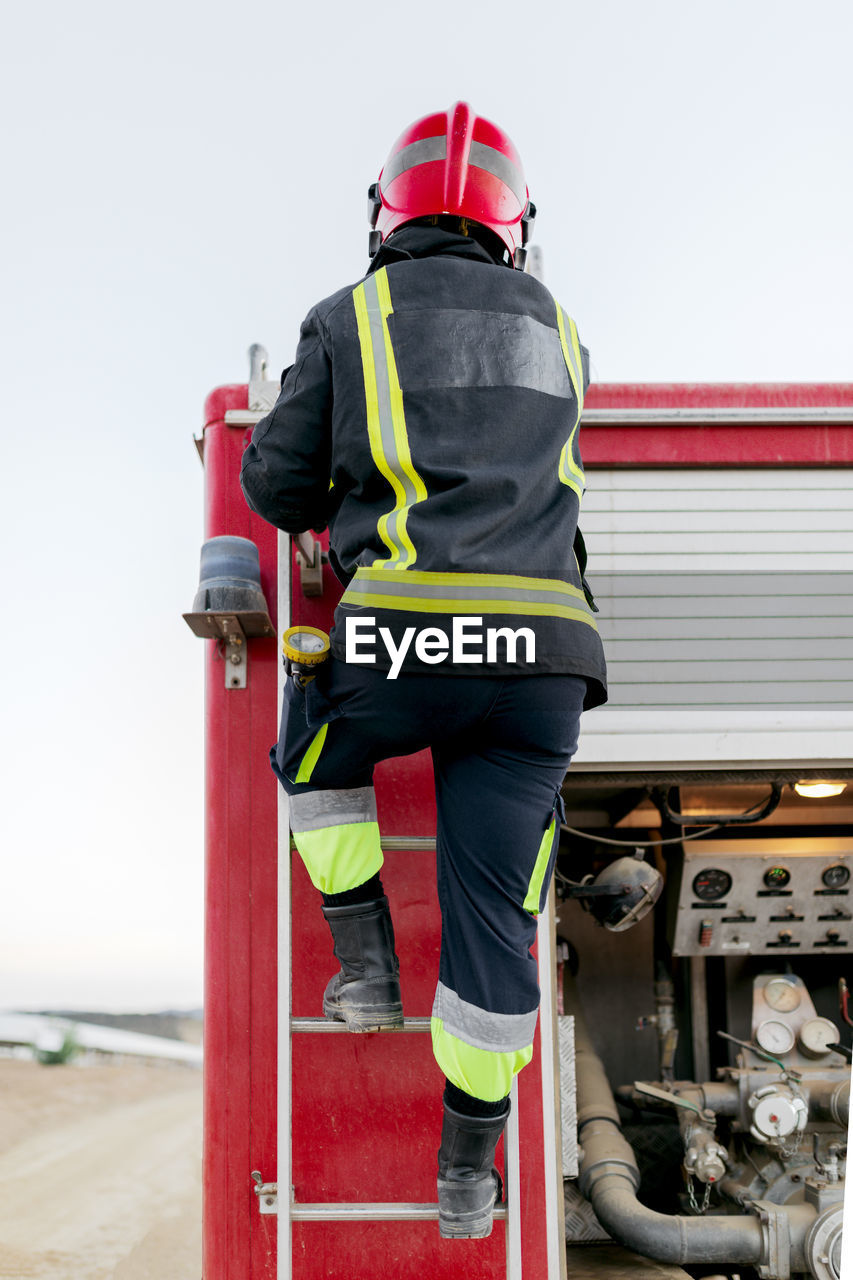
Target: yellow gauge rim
(304, 658)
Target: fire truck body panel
(720, 536)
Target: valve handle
(662, 1095)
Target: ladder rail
(284, 1174)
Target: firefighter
(431, 420)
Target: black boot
(366, 993)
(468, 1185)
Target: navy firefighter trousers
(500, 747)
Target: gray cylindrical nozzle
(230, 577)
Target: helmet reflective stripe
(570, 469)
(386, 421)
(499, 166)
(428, 150)
(424, 151)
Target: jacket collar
(428, 242)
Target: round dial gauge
(782, 994)
(816, 1036)
(306, 645)
(711, 884)
(777, 877)
(835, 877)
(774, 1037)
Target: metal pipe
(830, 1101)
(609, 1178)
(721, 1097)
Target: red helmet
(454, 162)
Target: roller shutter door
(726, 612)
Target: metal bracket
(775, 1228)
(309, 558)
(235, 652)
(232, 631)
(267, 1193)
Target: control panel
(765, 897)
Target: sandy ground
(100, 1172)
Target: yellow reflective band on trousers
(419, 591)
(339, 858)
(534, 889)
(312, 755)
(386, 420)
(570, 470)
(484, 1073)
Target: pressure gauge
(777, 877)
(816, 1036)
(307, 646)
(835, 877)
(782, 994)
(711, 884)
(775, 1037)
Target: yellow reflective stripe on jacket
(484, 1073)
(420, 591)
(569, 471)
(386, 420)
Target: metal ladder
(276, 1198)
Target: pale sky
(185, 179)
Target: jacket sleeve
(287, 465)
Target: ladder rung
(326, 1024)
(371, 1212)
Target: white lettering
(353, 639)
(460, 639)
(432, 645)
(396, 654)
(511, 638)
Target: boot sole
(475, 1224)
(459, 1231)
(384, 1018)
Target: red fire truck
(688, 1098)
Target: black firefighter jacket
(431, 419)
